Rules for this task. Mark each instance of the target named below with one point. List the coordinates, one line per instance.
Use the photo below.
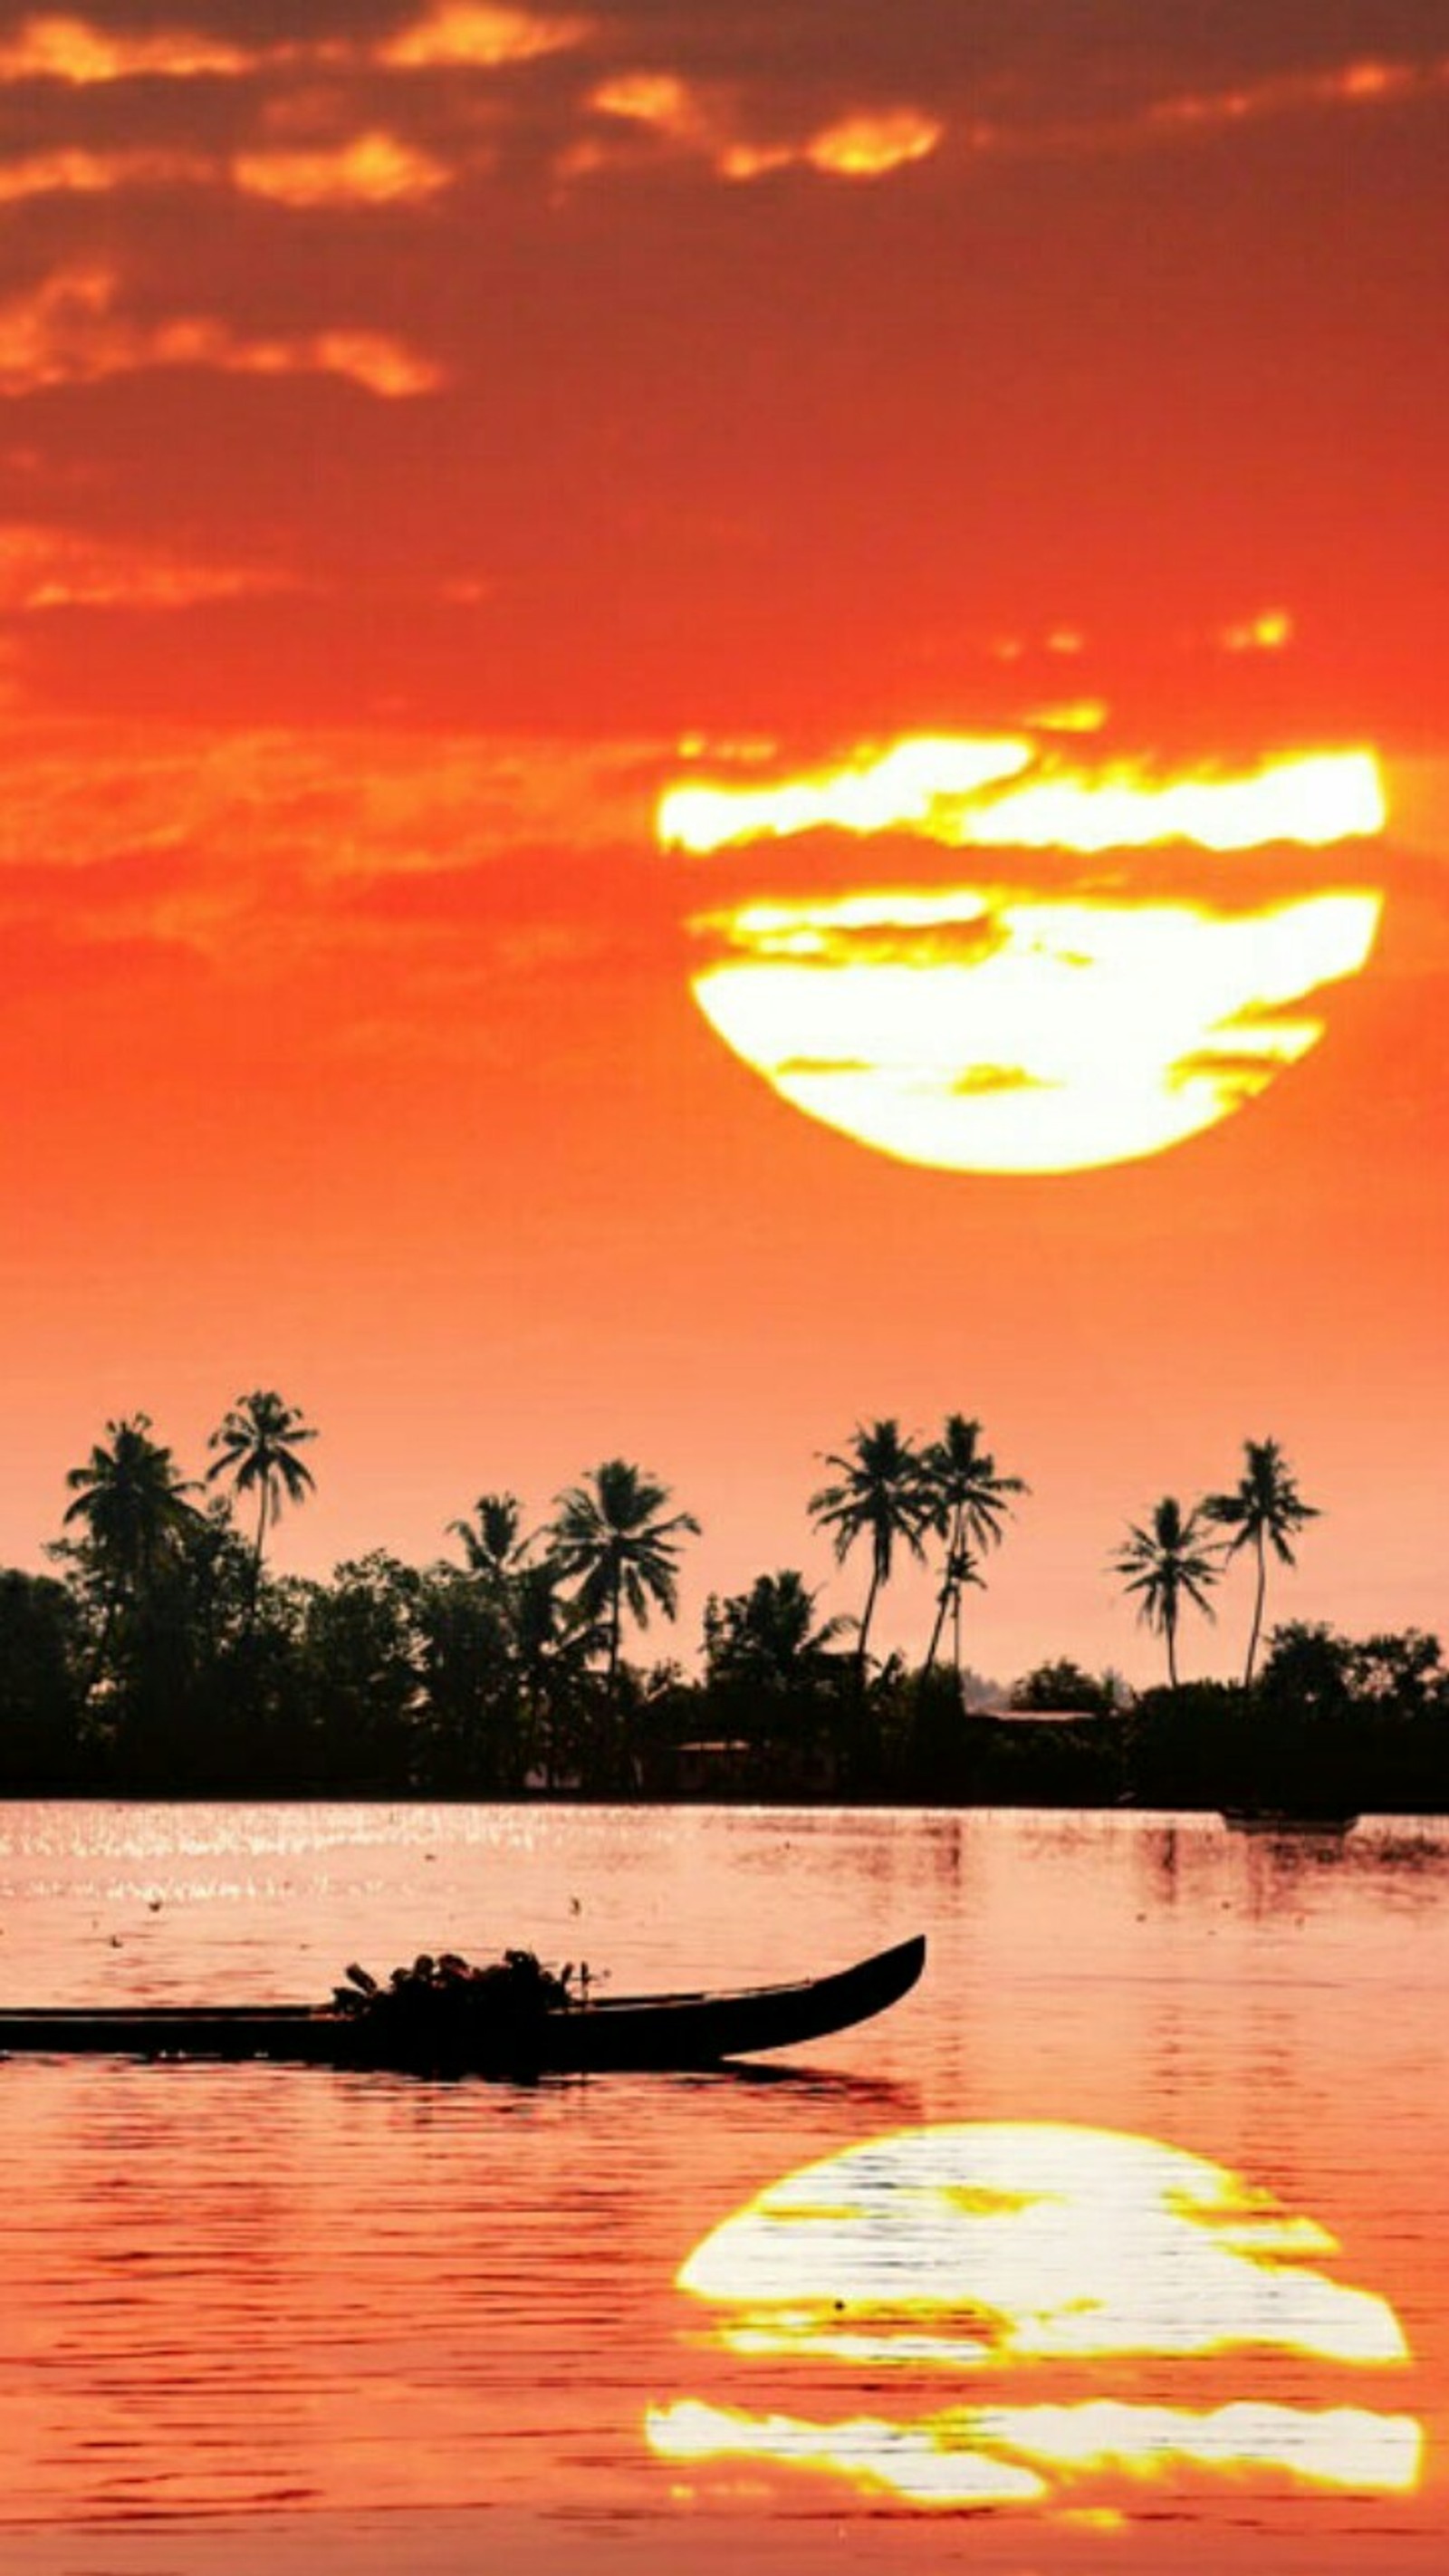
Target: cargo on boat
(616, 2034)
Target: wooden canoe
(622, 2033)
(1285, 1820)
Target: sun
(1133, 957)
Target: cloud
(44, 568)
(471, 34)
(80, 53)
(73, 171)
(386, 885)
(867, 146)
(55, 47)
(1269, 630)
(70, 329)
(1365, 82)
(374, 169)
(715, 124)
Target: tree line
(163, 1655)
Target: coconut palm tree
(969, 1501)
(768, 1635)
(552, 1642)
(132, 1502)
(492, 1541)
(1168, 1563)
(257, 1444)
(1265, 1509)
(610, 1540)
(133, 1506)
(881, 1496)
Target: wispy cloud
(44, 567)
(472, 33)
(82, 53)
(53, 46)
(73, 329)
(75, 171)
(714, 124)
(374, 168)
(371, 170)
(428, 865)
(1364, 82)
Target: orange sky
(409, 430)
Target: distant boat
(623, 2033)
(1286, 1820)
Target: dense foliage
(162, 1656)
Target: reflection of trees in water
(1200, 1863)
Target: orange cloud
(1270, 631)
(477, 34)
(69, 330)
(423, 863)
(54, 47)
(74, 172)
(459, 34)
(864, 146)
(44, 567)
(372, 170)
(1358, 84)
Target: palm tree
(609, 1539)
(768, 1636)
(258, 1442)
(968, 1503)
(1167, 1563)
(492, 1540)
(134, 1507)
(880, 1495)
(551, 1641)
(132, 1501)
(1265, 1509)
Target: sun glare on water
(995, 2253)
(1001, 1026)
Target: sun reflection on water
(999, 2250)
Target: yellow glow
(937, 785)
(372, 170)
(72, 329)
(918, 785)
(986, 1027)
(956, 2458)
(909, 2461)
(72, 172)
(647, 98)
(1075, 2241)
(865, 147)
(477, 35)
(995, 2250)
(55, 47)
(1062, 1036)
(1269, 632)
(1332, 796)
(1074, 715)
(44, 567)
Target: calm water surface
(262, 2308)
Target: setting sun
(1003, 1026)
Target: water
(252, 2311)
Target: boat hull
(625, 2034)
(1275, 1820)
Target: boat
(1285, 1820)
(613, 2034)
